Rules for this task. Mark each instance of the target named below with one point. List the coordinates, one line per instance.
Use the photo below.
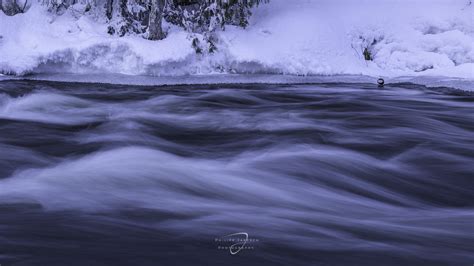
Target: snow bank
(304, 37)
(329, 37)
(38, 42)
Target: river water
(324, 174)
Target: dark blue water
(328, 174)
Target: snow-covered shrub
(206, 16)
(364, 43)
(454, 44)
(132, 18)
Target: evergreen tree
(144, 17)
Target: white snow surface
(292, 37)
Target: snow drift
(304, 37)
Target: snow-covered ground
(306, 37)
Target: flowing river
(323, 174)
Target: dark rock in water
(381, 82)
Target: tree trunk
(109, 9)
(155, 32)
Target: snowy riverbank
(309, 37)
